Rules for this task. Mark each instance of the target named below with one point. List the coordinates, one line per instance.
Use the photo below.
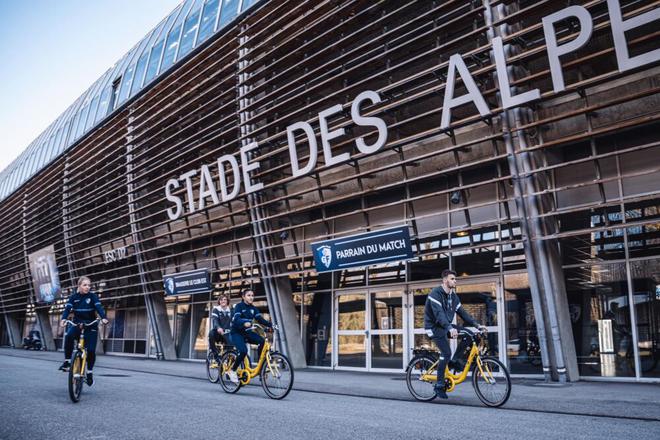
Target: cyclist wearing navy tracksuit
(241, 329)
(85, 305)
(441, 306)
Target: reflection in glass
(600, 315)
(317, 320)
(646, 282)
(351, 351)
(522, 342)
(352, 312)
(386, 310)
(387, 351)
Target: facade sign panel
(45, 276)
(363, 250)
(184, 283)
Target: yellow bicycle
(212, 366)
(78, 369)
(274, 370)
(490, 378)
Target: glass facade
(153, 55)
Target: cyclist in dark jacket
(441, 307)
(85, 305)
(220, 324)
(241, 329)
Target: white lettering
(173, 214)
(233, 164)
(619, 29)
(189, 188)
(473, 95)
(293, 152)
(554, 51)
(508, 100)
(206, 188)
(247, 167)
(327, 136)
(365, 121)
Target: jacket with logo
(246, 313)
(221, 318)
(440, 309)
(84, 307)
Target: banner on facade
(183, 283)
(363, 250)
(45, 276)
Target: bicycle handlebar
(68, 321)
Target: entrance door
(482, 298)
(370, 330)
(351, 318)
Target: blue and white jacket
(246, 313)
(84, 307)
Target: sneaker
(90, 379)
(440, 393)
(233, 377)
(65, 366)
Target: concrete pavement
(636, 401)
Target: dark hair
(244, 291)
(447, 272)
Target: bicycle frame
(458, 378)
(264, 358)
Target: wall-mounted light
(456, 197)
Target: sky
(51, 51)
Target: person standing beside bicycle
(220, 325)
(241, 329)
(85, 305)
(442, 305)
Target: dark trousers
(91, 337)
(442, 342)
(239, 340)
(215, 337)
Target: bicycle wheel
(226, 362)
(277, 380)
(212, 368)
(420, 388)
(76, 377)
(493, 387)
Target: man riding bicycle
(441, 307)
(220, 325)
(84, 304)
(241, 329)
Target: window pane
(170, 48)
(139, 73)
(152, 67)
(208, 21)
(228, 12)
(189, 31)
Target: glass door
(351, 331)
(480, 297)
(386, 345)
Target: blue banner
(182, 283)
(45, 276)
(363, 249)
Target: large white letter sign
(187, 177)
(173, 214)
(247, 167)
(293, 153)
(554, 51)
(456, 63)
(508, 100)
(206, 188)
(620, 27)
(233, 164)
(365, 121)
(327, 136)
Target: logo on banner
(169, 285)
(325, 255)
